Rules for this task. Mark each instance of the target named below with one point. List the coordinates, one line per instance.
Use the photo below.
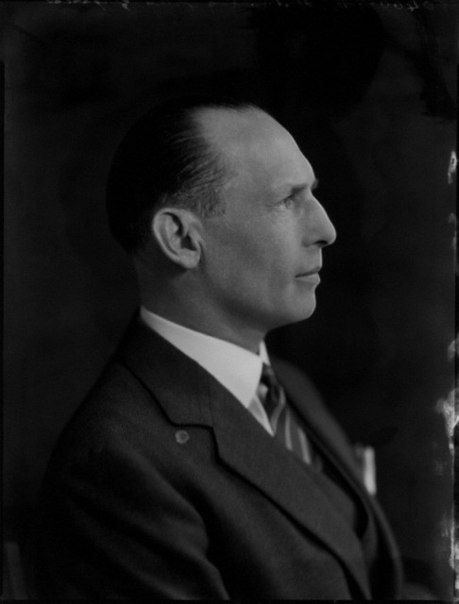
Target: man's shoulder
(118, 411)
(118, 396)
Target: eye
(288, 201)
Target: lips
(314, 271)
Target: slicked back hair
(164, 159)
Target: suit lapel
(331, 440)
(179, 384)
(189, 395)
(249, 450)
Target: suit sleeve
(114, 526)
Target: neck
(181, 298)
(205, 321)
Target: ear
(178, 233)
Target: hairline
(219, 169)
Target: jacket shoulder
(117, 410)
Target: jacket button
(182, 436)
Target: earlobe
(176, 233)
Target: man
(200, 466)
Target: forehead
(257, 150)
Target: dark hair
(164, 157)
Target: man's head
(239, 229)
(164, 158)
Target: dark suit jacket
(163, 485)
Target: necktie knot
(273, 398)
(268, 378)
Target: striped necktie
(282, 421)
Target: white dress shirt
(236, 368)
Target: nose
(320, 227)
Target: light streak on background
(452, 167)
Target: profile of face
(261, 258)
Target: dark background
(369, 93)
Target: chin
(300, 313)
(306, 315)
(311, 309)
(306, 310)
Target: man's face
(262, 257)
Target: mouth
(314, 271)
(310, 277)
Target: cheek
(254, 253)
(229, 249)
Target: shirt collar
(236, 368)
